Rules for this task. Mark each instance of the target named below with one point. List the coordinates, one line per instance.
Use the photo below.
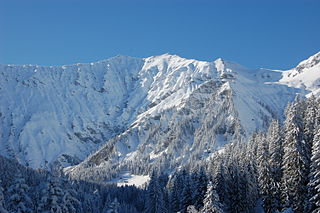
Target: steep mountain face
(135, 114)
(226, 102)
(51, 113)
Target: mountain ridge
(58, 115)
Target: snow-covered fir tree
(294, 161)
(265, 174)
(310, 122)
(155, 196)
(19, 201)
(173, 193)
(250, 186)
(192, 209)
(199, 187)
(114, 207)
(186, 197)
(69, 201)
(274, 137)
(52, 195)
(314, 183)
(219, 180)
(310, 126)
(211, 201)
(235, 193)
(2, 201)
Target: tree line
(279, 168)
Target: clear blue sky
(257, 33)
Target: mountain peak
(220, 64)
(167, 56)
(308, 63)
(306, 75)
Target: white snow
(128, 179)
(305, 76)
(74, 109)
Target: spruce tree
(155, 196)
(252, 146)
(310, 120)
(294, 161)
(274, 137)
(69, 201)
(186, 197)
(265, 180)
(250, 187)
(20, 201)
(51, 200)
(310, 125)
(314, 183)
(235, 196)
(199, 186)
(174, 186)
(192, 209)
(211, 201)
(219, 182)
(174, 200)
(114, 206)
(2, 208)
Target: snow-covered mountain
(133, 114)
(65, 112)
(305, 76)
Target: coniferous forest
(278, 169)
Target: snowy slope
(127, 179)
(207, 105)
(305, 76)
(50, 111)
(157, 111)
